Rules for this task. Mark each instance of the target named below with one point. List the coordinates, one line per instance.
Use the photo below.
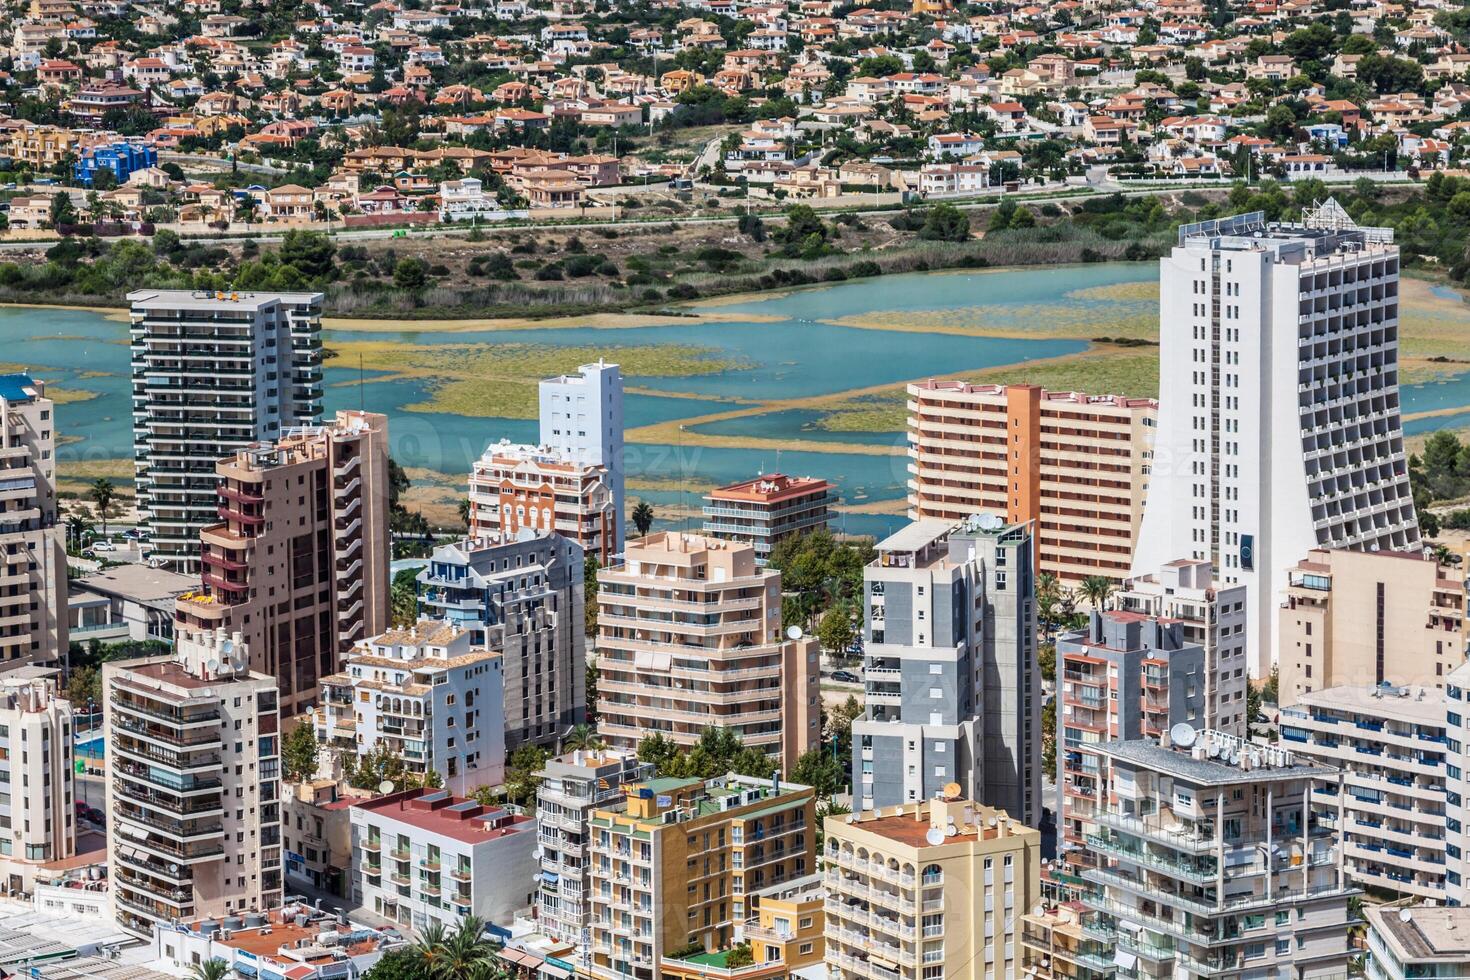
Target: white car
(103, 546)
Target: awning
(555, 972)
(244, 969)
(1125, 959)
(519, 957)
(550, 877)
(1127, 926)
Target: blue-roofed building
(33, 595)
(123, 159)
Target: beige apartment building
(689, 637)
(43, 147)
(1077, 465)
(193, 789)
(675, 865)
(36, 738)
(517, 486)
(1359, 619)
(33, 595)
(935, 888)
(299, 566)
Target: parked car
(103, 546)
(846, 677)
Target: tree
(1049, 736)
(945, 223)
(589, 592)
(309, 251)
(63, 212)
(103, 493)
(520, 773)
(210, 969)
(836, 631)
(397, 964)
(1048, 595)
(411, 273)
(78, 528)
(818, 769)
(464, 512)
(298, 753)
(580, 739)
(1046, 661)
(739, 956)
(1096, 589)
(404, 597)
(84, 684)
(643, 517)
(380, 764)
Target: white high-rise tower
(1279, 424)
(582, 419)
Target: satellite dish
(227, 647)
(950, 830)
(934, 837)
(212, 666)
(793, 632)
(1214, 751)
(241, 662)
(1039, 909)
(991, 821)
(951, 791)
(1405, 915)
(1182, 735)
(385, 787)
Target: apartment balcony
(181, 719)
(180, 762)
(167, 803)
(167, 735)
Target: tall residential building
(299, 566)
(1390, 743)
(1405, 943)
(33, 595)
(515, 488)
(1126, 676)
(568, 790)
(689, 637)
(935, 888)
(213, 373)
(1213, 616)
(37, 817)
(522, 596)
(428, 694)
(1055, 946)
(1279, 427)
(1075, 466)
(425, 855)
(953, 689)
(764, 511)
(582, 419)
(673, 867)
(1358, 619)
(1457, 786)
(193, 789)
(1213, 865)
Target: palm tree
(1096, 589)
(1068, 604)
(464, 954)
(78, 526)
(429, 949)
(581, 738)
(1048, 594)
(103, 493)
(215, 969)
(643, 516)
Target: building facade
(1389, 743)
(523, 596)
(689, 637)
(424, 855)
(935, 888)
(582, 420)
(568, 790)
(952, 687)
(672, 866)
(1211, 863)
(1416, 941)
(37, 815)
(1126, 676)
(428, 695)
(317, 835)
(33, 594)
(213, 373)
(1213, 617)
(299, 566)
(193, 789)
(1075, 466)
(1360, 619)
(764, 511)
(1457, 786)
(515, 488)
(1280, 353)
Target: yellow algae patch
(499, 380)
(69, 396)
(1030, 322)
(1119, 292)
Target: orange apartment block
(517, 486)
(299, 566)
(689, 637)
(1077, 465)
